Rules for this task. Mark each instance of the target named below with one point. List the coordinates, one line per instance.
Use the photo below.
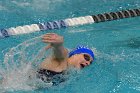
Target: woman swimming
(52, 69)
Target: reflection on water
(132, 43)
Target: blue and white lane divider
(69, 22)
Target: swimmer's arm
(56, 43)
(59, 52)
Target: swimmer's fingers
(53, 42)
(52, 38)
(49, 41)
(50, 35)
(48, 38)
(56, 38)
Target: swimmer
(61, 59)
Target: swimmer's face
(81, 60)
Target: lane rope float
(69, 22)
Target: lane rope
(4, 33)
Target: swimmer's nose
(87, 63)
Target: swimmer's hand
(54, 39)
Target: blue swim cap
(82, 49)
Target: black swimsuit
(49, 76)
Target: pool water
(116, 45)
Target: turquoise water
(116, 45)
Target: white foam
(20, 63)
(21, 4)
(2, 7)
(1, 34)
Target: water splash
(18, 71)
(20, 63)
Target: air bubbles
(120, 7)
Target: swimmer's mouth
(82, 65)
